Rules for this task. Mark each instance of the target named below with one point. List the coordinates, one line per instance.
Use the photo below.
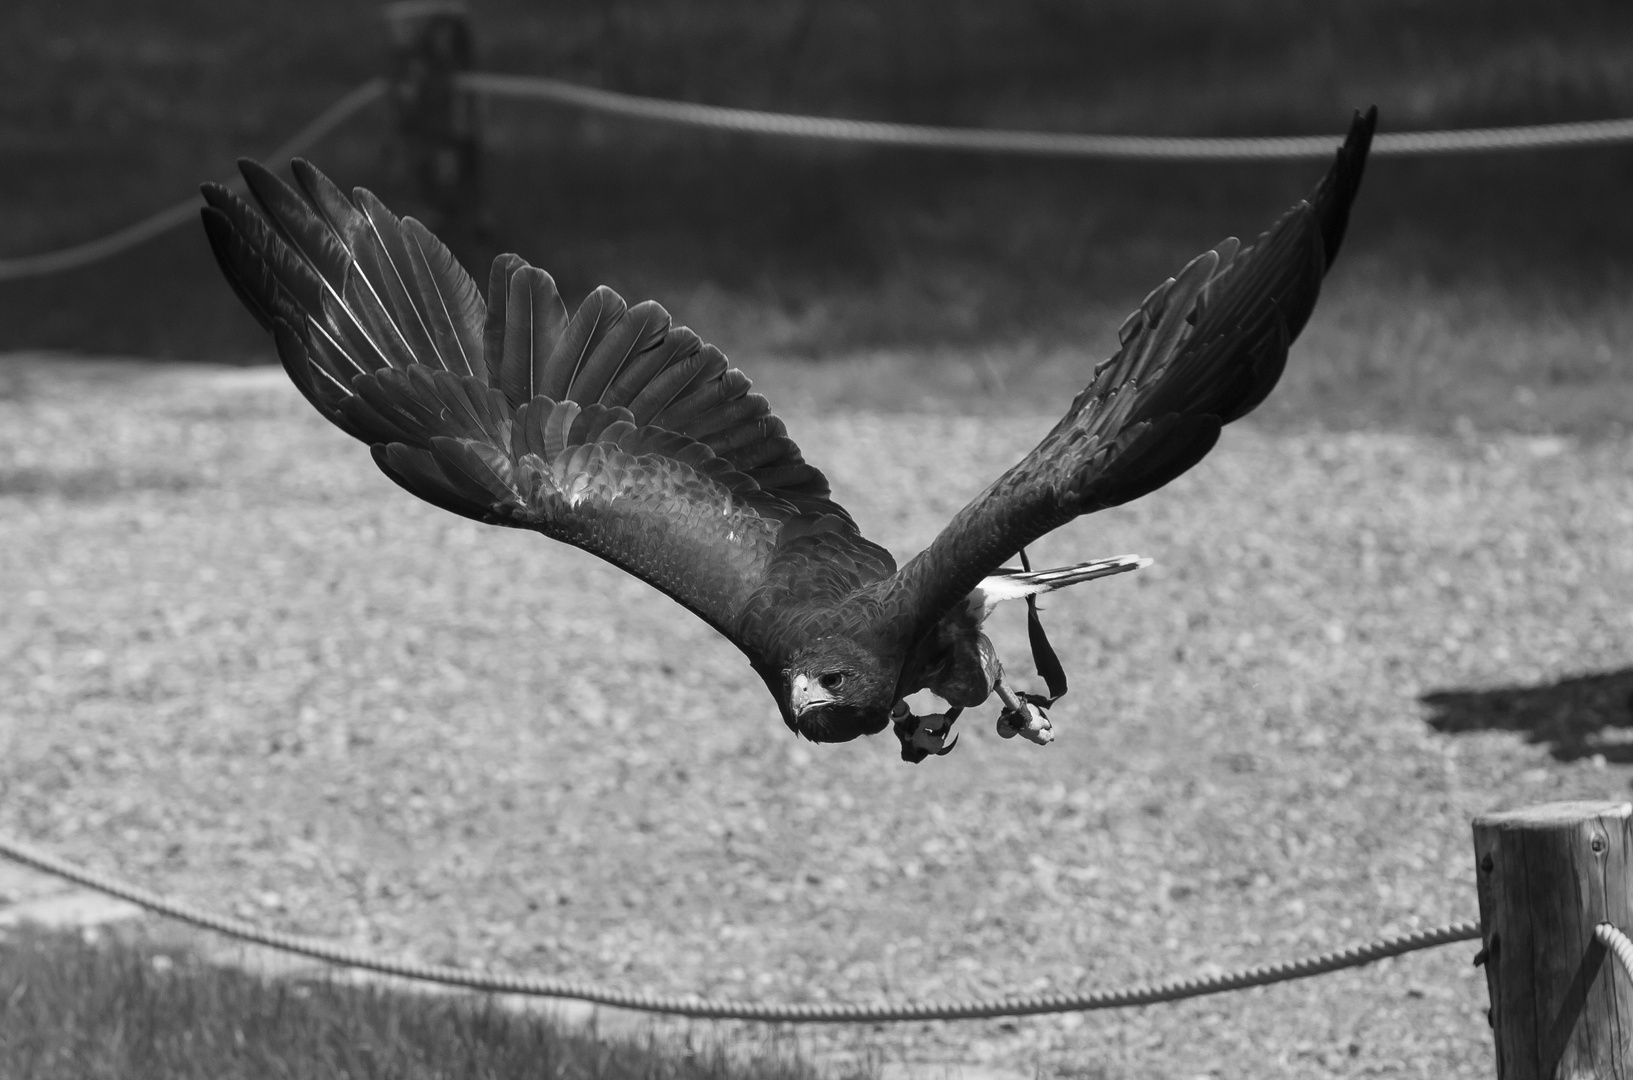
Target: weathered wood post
(1547, 875)
(437, 121)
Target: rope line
(1050, 143)
(91, 251)
(1618, 943)
(717, 1009)
(880, 133)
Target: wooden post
(432, 44)
(1547, 875)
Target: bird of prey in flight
(611, 429)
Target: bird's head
(835, 690)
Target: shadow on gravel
(1575, 717)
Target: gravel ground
(241, 667)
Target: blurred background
(1486, 286)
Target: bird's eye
(833, 680)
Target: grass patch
(75, 1010)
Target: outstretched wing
(610, 429)
(1205, 348)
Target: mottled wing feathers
(1203, 349)
(607, 428)
(611, 354)
(659, 505)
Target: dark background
(113, 110)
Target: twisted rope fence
(717, 1009)
(1619, 945)
(1040, 143)
(27, 266)
(870, 132)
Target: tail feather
(1013, 584)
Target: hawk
(614, 430)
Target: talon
(931, 733)
(1030, 721)
(922, 736)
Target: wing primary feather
(335, 358)
(417, 471)
(332, 207)
(493, 326)
(1336, 194)
(241, 237)
(716, 404)
(454, 311)
(1270, 359)
(641, 328)
(251, 280)
(391, 394)
(458, 413)
(356, 297)
(798, 479)
(679, 344)
(479, 466)
(765, 452)
(588, 326)
(360, 326)
(743, 434)
(302, 251)
(736, 409)
(382, 253)
(680, 380)
(535, 321)
(308, 379)
(297, 222)
(360, 303)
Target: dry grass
(75, 1010)
(241, 667)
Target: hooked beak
(804, 695)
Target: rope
(1051, 143)
(705, 1008)
(91, 251)
(1618, 943)
(919, 136)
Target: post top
(1556, 813)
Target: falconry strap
(1043, 653)
(908, 726)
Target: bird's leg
(922, 736)
(1020, 717)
